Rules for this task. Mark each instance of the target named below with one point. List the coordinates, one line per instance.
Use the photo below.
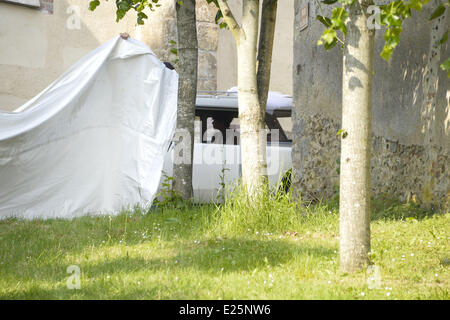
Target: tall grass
(270, 211)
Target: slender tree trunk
(264, 64)
(356, 140)
(187, 91)
(253, 85)
(251, 121)
(266, 37)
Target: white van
(216, 142)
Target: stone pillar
(161, 29)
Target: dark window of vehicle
(211, 121)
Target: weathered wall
(411, 114)
(38, 45)
(281, 79)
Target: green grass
(276, 250)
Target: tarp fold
(94, 141)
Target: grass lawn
(276, 251)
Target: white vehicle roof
(229, 99)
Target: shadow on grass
(227, 256)
(29, 238)
(94, 291)
(209, 257)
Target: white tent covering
(94, 141)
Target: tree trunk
(253, 85)
(356, 140)
(266, 37)
(264, 64)
(251, 121)
(187, 92)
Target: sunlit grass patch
(279, 251)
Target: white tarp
(94, 141)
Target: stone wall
(397, 169)
(207, 34)
(411, 113)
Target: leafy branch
(123, 6)
(219, 19)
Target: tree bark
(266, 37)
(251, 120)
(264, 64)
(356, 140)
(187, 92)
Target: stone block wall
(207, 34)
(411, 113)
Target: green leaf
(438, 12)
(446, 66)
(387, 52)
(343, 133)
(324, 20)
(392, 36)
(140, 18)
(331, 45)
(120, 14)
(219, 16)
(123, 5)
(329, 1)
(329, 35)
(443, 40)
(93, 5)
